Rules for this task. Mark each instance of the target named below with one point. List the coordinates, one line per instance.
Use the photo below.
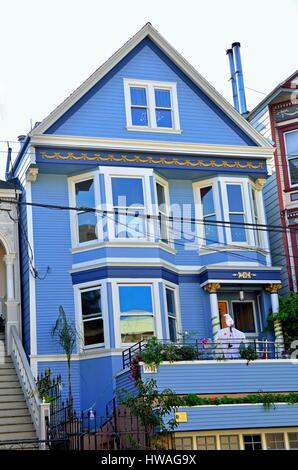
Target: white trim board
(197, 78)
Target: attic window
(151, 106)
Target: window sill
(135, 243)
(208, 249)
(162, 130)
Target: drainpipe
(233, 80)
(239, 78)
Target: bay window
(92, 318)
(136, 313)
(236, 212)
(86, 221)
(291, 147)
(128, 207)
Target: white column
(9, 261)
(212, 288)
(273, 289)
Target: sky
(48, 48)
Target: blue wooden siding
(97, 382)
(238, 417)
(276, 238)
(51, 230)
(125, 383)
(60, 368)
(195, 316)
(101, 112)
(25, 274)
(223, 377)
(261, 122)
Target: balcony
(207, 369)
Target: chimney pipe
(232, 79)
(239, 78)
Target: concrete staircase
(15, 419)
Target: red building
(276, 118)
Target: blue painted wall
(238, 416)
(51, 231)
(223, 377)
(101, 112)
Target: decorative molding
(212, 287)
(259, 183)
(244, 275)
(273, 288)
(97, 157)
(31, 174)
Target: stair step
(8, 383)
(11, 398)
(12, 428)
(8, 436)
(15, 421)
(13, 412)
(13, 405)
(8, 378)
(8, 391)
(7, 368)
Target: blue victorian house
(143, 215)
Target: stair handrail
(39, 411)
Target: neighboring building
(276, 118)
(143, 138)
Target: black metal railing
(207, 349)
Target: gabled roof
(284, 86)
(154, 35)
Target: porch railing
(207, 349)
(39, 411)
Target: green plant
(288, 315)
(249, 354)
(151, 406)
(64, 331)
(152, 353)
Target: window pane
(291, 139)
(171, 302)
(293, 440)
(235, 198)
(244, 317)
(130, 226)
(93, 332)
(211, 234)
(161, 200)
(275, 441)
(207, 200)
(293, 167)
(252, 442)
(238, 232)
(172, 329)
(85, 193)
(139, 117)
(162, 98)
(87, 226)
(135, 299)
(183, 443)
(163, 118)
(127, 192)
(91, 302)
(134, 328)
(138, 96)
(206, 443)
(229, 442)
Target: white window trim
(287, 159)
(150, 85)
(263, 235)
(142, 173)
(249, 335)
(197, 186)
(158, 179)
(116, 307)
(73, 215)
(175, 289)
(247, 211)
(78, 288)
